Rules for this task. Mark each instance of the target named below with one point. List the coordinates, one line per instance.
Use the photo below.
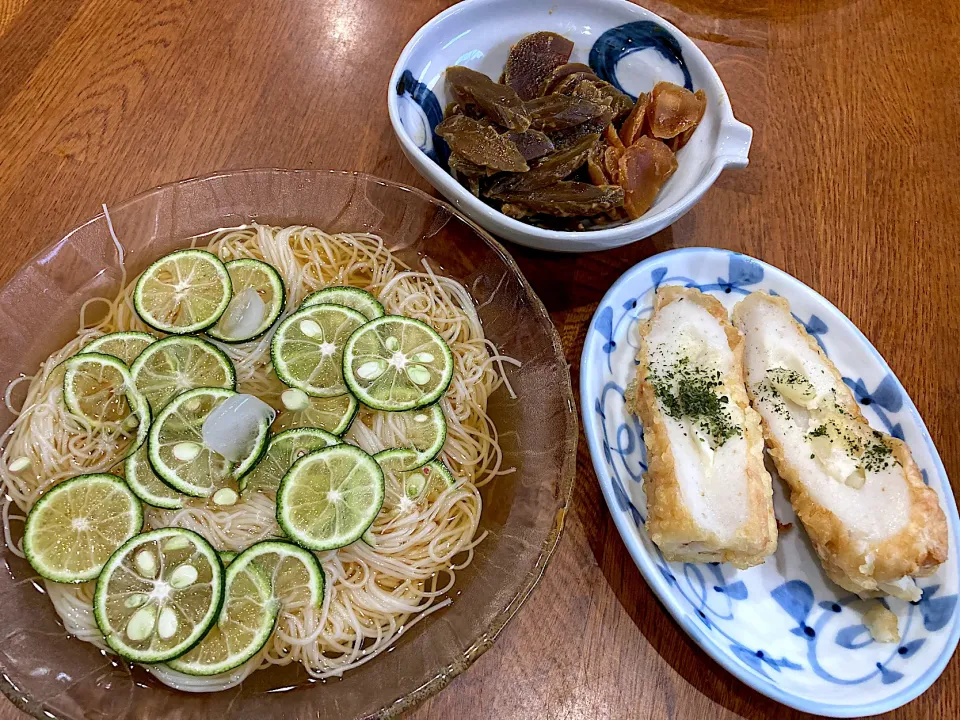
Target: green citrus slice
(74, 528)
(257, 301)
(423, 430)
(184, 292)
(332, 414)
(307, 348)
(295, 574)
(245, 623)
(101, 389)
(146, 485)
(423, 483)
(351, 297)
(179, 454)
(283, 450)
(158, 595)
(125, 346)
(171, 366)
(397, 363)
(329, 497)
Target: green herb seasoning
(687, 391)
(878, 455)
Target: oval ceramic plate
(781, 627)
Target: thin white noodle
(373, 594)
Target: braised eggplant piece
(533, 60)
(546, 171)
(531, 143)
(673, 110)
(554, 145)
(644, 167)
(481, 144)
(498, 102)
(569, 199)
(559, 112)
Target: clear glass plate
(48, 674)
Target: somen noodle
(373, 593)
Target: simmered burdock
(481, 144)
(500, 103)
(532, 60)
(644, 167)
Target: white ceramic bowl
(625, 44)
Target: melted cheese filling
(876, 510)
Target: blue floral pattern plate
(781, 627)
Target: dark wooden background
(852, 187)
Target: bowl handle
(735, 139)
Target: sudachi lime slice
(146, 485)
(174, 365)
(184, 292)
(331, 414)
(307, 348)
(74, 528)
(424, 483)
(295, 574)
(101, 389)
(397, 363)
(125, 346)
(283, 450)
(158, 595)
(178, 453)
(329, 497)
(351, 297)
(245, 623)
(423, 430)
(258, 299)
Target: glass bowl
(48, 674)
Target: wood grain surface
(852, 188)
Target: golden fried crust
(669, 522)
(916, 550)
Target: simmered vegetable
(553, 144)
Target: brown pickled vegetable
(481, 144)
(559, 112)
(673, 110)
(634, 125)
(569, 199)
(553, 144)
(546, 171)
(532, 61)
(562, 73)
(644, 167)
(500, 103)
(531, 143)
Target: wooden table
(852, 187)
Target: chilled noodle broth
(372, 593)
